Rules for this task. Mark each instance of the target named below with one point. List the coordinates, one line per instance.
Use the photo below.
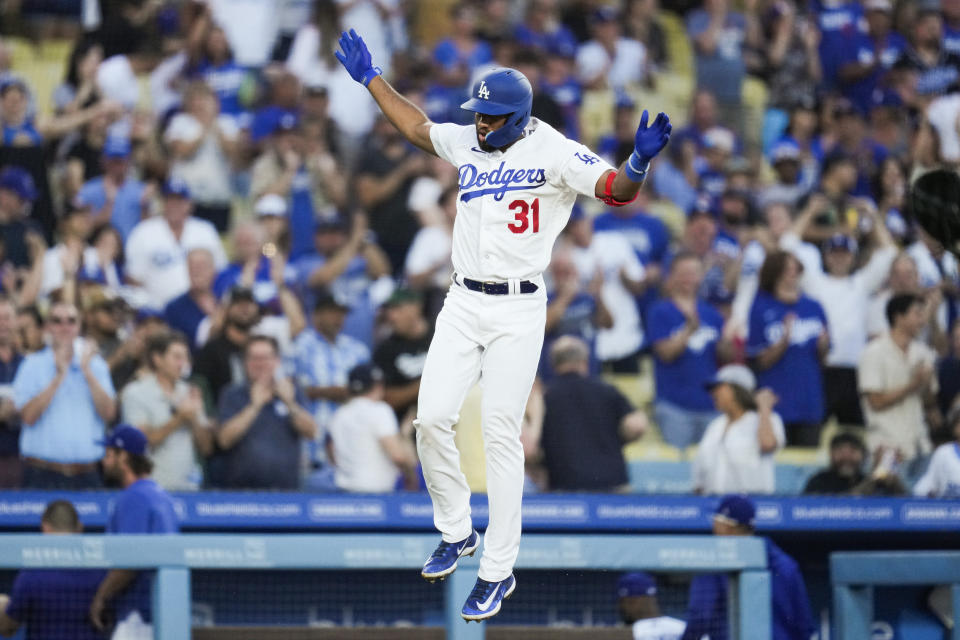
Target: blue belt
(497, 288)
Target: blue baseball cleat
(443, 562)
(485, 599)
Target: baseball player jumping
(518, 181)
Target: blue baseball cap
(702, 206)
(786, 149)
(176, 187)
(20, 182)
(840, 241)
(737, 509)
(127, 438)
(117, 147)
(638, 583)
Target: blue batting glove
(356, 58)
(648, 142)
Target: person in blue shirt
(192, 313)
(791, 617)
(218, 69)
(951, 26)
(869, 56)
(542, 29)
(65, 397)
(840, 23)
(17, 128)
(141, 508)
(687, 337)
(116, 197)
(787, 341)
(324, 357)
(49, 603)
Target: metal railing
(174, 556)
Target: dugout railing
(174, 556)
(854, 575)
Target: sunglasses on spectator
(63, 319)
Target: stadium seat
(652, 476)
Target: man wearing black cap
(369, 449)
(220, 361)
(847, 453)
(638, 607)
(791, 618)
(141, 508)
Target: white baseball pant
(498, 340)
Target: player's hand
(97, 607)
(356, 58)
(650, 140)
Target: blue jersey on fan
(226, 80)
(143, 507)
(796, 377)
(951, 39)
(838, 26)
(861, 49)
(681, 382)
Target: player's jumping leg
(451, 369)
(508, 370)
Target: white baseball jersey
(513, 204)
(157, 260)
(662, 628)
(942, 479)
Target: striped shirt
(321, 363)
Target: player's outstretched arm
(648, 142)
(405, 116)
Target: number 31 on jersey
(526, 215)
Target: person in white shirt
(845, 297)
(202, 142)
(369, 450)
(638, 607)
(736, 452)
(942, 479)
(897, 384)
(610, 61)
(157, 247)
(610, 255)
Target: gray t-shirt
(147, 406)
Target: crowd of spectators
(211, 233)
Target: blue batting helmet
(500, 92)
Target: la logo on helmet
(483, 92)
